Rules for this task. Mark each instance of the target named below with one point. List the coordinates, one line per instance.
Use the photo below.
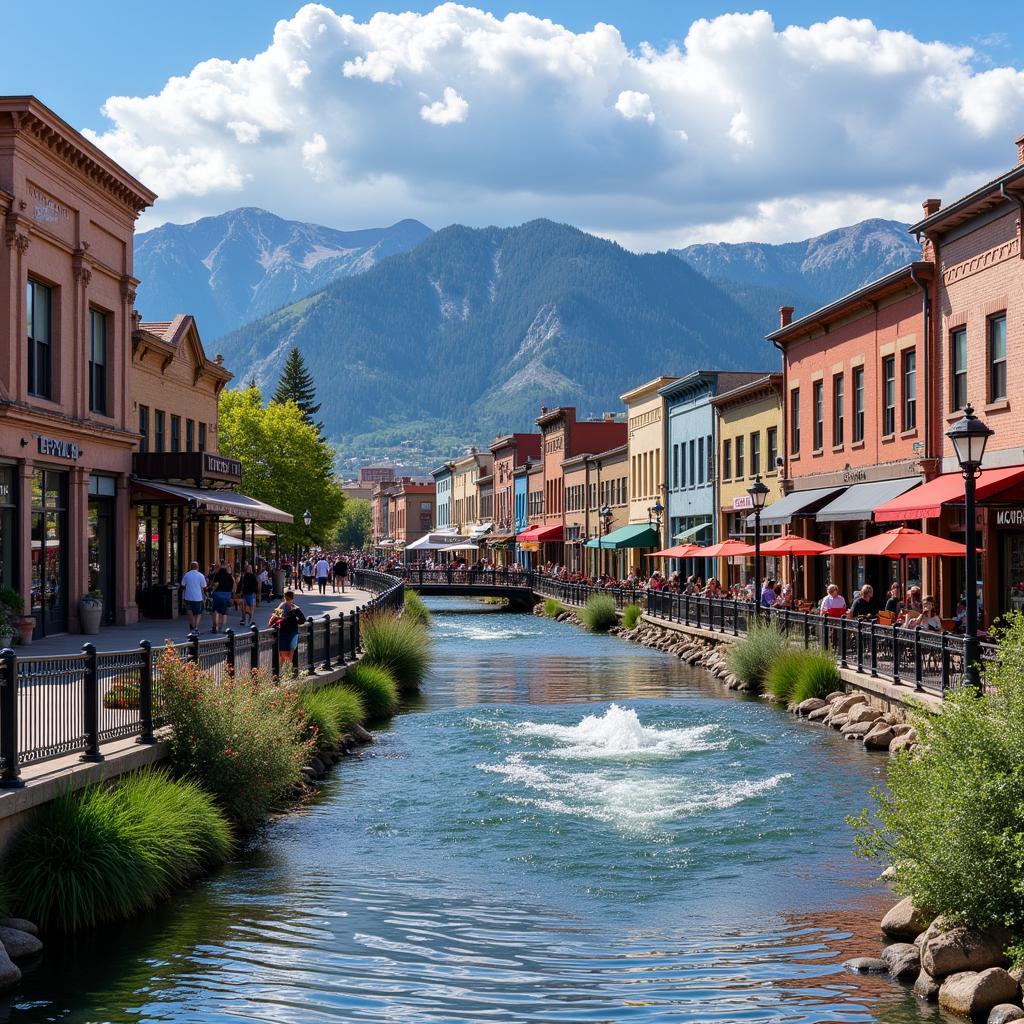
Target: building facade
(411, 511)
(465, 499)
(509, 451)
(607, 510)
(443, 496)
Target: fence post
(807, 630)
(860, 645)
(11, 778)
(193, 651)
(327, 641)
(874, 650)
(357, 640)
(275, 656)
(146, 694)
(918, 660)
(735, 616)
(229, 655)
(311, 653)
(944, 669)
(91, 710)
(895, 653)
(254, 658)
(352, 635)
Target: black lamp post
(656, 511)
(605, 515)
(758, 496)
(969, 436)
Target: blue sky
(738, 129)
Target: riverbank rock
(905, 742)
(804, 708)
(20, 923)
(867, 965)
(361, 734)
(904, 921)
(1004, 1013)
(847, 701)
(831, 698)
(926, 987)
(969, 993)
(879, 738)
(10, 973)
(820, 714)
(863, 714)
(18, 943)
(903, 960)
(962, 949)
(857, 730)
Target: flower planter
(26, 627)
(89, 615)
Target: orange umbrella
(728, 549)
(793, 545)
(679, 551)
(903, 543)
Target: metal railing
(57, 705)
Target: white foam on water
(619, 733)
(469, 631)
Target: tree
(284, 462)
(297, 385)
(355, 528)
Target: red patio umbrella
(728, 549)
(791, 544)
(903, 543)
(679, 551)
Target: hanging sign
(56, 447)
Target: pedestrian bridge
(515, 587)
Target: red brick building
(509, 451)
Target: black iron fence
(56, 705)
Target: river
(566, 828)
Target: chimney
(543, 410)
(785, 316)
(1020, 150)
(609, 417)
(931, 206)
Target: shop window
(39, 317)
(910, 389)
(773, 448)
(190, 435)
(175, 433)
(98, 362)
(958, 365)
(888, 396)
(727, 459)
(818, 409)
(158, 423)
(755, 453)
(741, 457)
(794, 421)
(144, 428)
(838, 408)
(997, 358)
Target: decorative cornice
(967, 268)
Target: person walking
(249, 586)
(341, 572)
(323, 570)
(287, 616)
(223, 588)
(193, 588)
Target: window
(700, 460)
(888, 396)
(693, 463)
(773, 448)
(682, 464)
(709, 448)
(838, 408)
(175, 433)
(997, 358)
(727, 460)
(675, 465)
(794, 422)
(958, 362)
(39, 316)
(158, 441)
(202, 437)
(740, 457)
(858, 404)
(97, 362)
(818, 398)
(144, 428)
(190, 435)
(910, 389)
(755, 453)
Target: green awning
(639, 535)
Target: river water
(566, 828)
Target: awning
(435, 542)
(465, 545)
(692, 531)
(926, 501)
(481, 531)
(501, 540)
(227, 541)
(860, 501)
(205, 499)
(540, 535)
(250, 531)
(793, 504)
(387, 542)
(638, 535)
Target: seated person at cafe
(927, 618)
(863, 606)
(914, 602)
(833, 602)
(893, 603)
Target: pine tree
(296, 385)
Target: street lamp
(657, 510)
(307, 518)
(605, 515)
(758, 496)
(969, 436)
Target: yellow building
(749, 445)
(465, 501)
(645, 411)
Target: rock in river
(867, 965)
(904, 960)
(19, 943)
(904, 921)
(1004, 1013)
(963, 949)
(969, 993)
(926, 987)
(9, 973)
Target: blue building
(691, 444)
(443, 482)
(520, 488)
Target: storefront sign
(219, 466)
(57, 448)
(743, 501)
(854, 476)
(1010, 517)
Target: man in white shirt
(323, 570)
(193, 585)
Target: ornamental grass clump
(399, 645)
(243, 738)
(818, 677)
(104, 853)
(631, 615)
(376, 688)
(750, 659)
(415, 609)
(553, 608)
(598, 614)
(952, 815)
(784, 674)
(330, 713)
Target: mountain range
(240, 265)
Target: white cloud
(757, 128)
(453, 109)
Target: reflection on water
(565, 828)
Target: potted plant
(90, 611)
(11, 604)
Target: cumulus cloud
(741, 124)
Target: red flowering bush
(242, 739)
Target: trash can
(162, 601)
(278, 576)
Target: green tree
(284, 460)
(355, 528)
(297, 385)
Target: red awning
(926, 501)
(539, 535)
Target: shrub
(106, 852)
(415, 609)
(553, 608)
(123, 694)
(331, 712)
(400, 645)
(818, 677)
(784, 673)
(631, 615)
(241, 738)
(750, 659)
(953, 816)
(599, 614)
(376, 688)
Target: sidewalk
(126, 638)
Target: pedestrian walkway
(126, 638)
